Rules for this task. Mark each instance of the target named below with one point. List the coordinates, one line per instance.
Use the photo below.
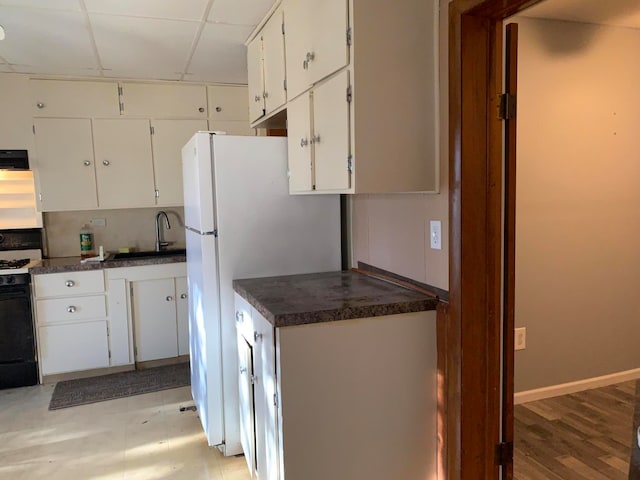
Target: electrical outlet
(98, 222)
(435, 234)
(521, 338)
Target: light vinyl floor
(143, 437)
(581, 436)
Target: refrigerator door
(197, 178)
(204, 333)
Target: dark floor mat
(71, 393)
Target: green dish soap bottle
(86, 242)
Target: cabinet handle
(40, 105)
(183, 296)
(256, 98)
(257, 336)
(106, 163)
(243, 370)
(71, 309)
(86, 163)
(315, 139)
(310, 57)
(304, 142)
(69, 283)
(201, 109)
(305, 64)
(218, 109)
(169, 298)
(239, 316)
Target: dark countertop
(325, 297)
(72, 264)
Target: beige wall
(392, 231)
(578, 221)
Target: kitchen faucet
(160, 243)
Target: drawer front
(70, 309)
(244, 324)
(70, 283)
(69, 348)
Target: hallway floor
(144, 437)
(585, 435)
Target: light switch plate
(521, 338)
(435, 234)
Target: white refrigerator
(240, 223)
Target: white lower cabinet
(153, 301)
(342, 399)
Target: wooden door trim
(473, 335)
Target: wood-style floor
(582, 436)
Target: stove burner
(13, 264)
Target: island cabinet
(328, 393)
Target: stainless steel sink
(147, 254)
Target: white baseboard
(573, 387)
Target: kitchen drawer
(73, 347)
(68, 283)
(70, 309)
(244, 324)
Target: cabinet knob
(40, 105)
(183, 296)
(256, 98)
(218, 109)
(310, 57)
(201, 109)
(71, 309)
(305, 65)
(315, 139)
(69, 283)
(257, 336)
(243, 370)
(238, 317)
(169, 298)
(86, 163)
(106, 163)
(304, 142)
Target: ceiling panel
(168, 9)
(239, 12)
(622, 13)
(52, 4)
(220, 55)
(142, 47)
(44, 39)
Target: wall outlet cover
(435, 234)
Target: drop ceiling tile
(169, 9)
(73, 5)
(220, 55)
(239, 12)
(142, 47)
(41, 39)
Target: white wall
(392, 231)
(578, 221)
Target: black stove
(13, 264)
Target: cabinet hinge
(119, 90)
(275, 399)
(40, 197)
(109, 354)
(135, 351)
(33, 127)
(121, 107)
(504, 453)
(283, 28)
(349, 94)
(254, 379)
(152, 129)
(349, 36)
(507, 106)
(350, 163)
(157, 193)
(285, 84)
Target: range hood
(14, 160)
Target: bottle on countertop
(86, 242)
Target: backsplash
(133, 227)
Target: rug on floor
(71, 393)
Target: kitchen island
(337, 378)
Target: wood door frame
(471, 427)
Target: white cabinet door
(228, 103)
(298, 144)
(331, 134)
(275, 94)
(64, 98)
(297, 39)
(164, 100)
(255, 77)
(72, 347)
(169, 136)
(328, 29)
(124, 163)
(246, 399)
(65, 165)
(182, 312)
(154, 319)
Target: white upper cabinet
(299, 148)
(256, 81)
(169, 136)
(64, 164)
(228, 103)
(124, 163)
(275, 94)
(163, 100)
(64, 98)
(315, 41)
